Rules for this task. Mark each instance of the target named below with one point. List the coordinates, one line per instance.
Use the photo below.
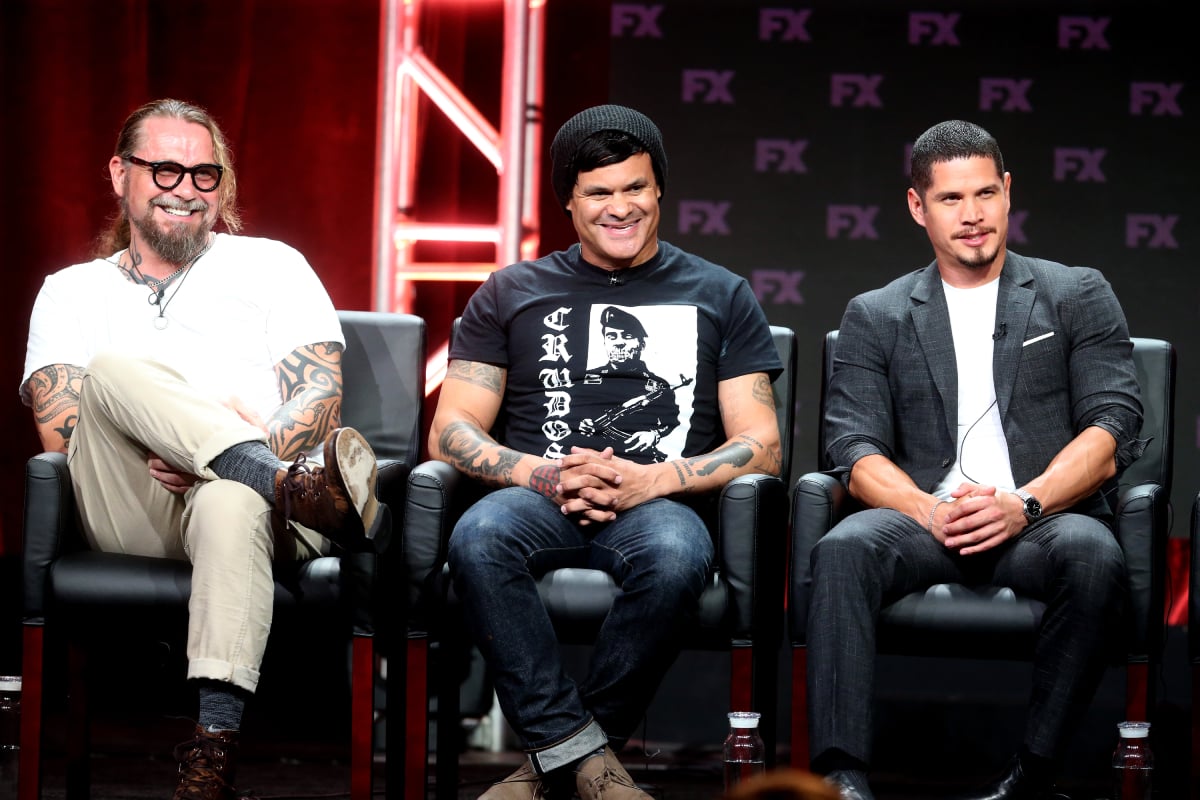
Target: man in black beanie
(531, 345)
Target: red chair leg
(362, 717)
(416, 715)
(799, 712)
(741, 679)
(29, 770)
(1137, 687)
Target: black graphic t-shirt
(631, 363)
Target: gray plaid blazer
(1062, 362)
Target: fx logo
(704, 217)
(1011, 94)
(711, 86)
(1088, 30)
(1016, 227)
(1154, 230)
(859, 220)
(780, 155)
(1084, 164)
(1163, 98)
(641, 18)
(787, 23)
(930, 27)
(777, 286)
(861, 90)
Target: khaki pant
(129, 407)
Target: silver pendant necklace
(160, 287)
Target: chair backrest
(383, 376)
(784, 386)
(1154, 360)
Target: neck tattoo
(158, 288)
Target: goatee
(178, 243)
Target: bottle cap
(10, 683)
(1134, 730)
(744, 719)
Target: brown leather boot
(206, 766)
(337, 500)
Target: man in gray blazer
(980, 409)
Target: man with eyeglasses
(193, 379)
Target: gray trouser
(1070, 562)
(131, 407)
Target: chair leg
(29, 771)
(799, 712)
(448, 684)
(414, 755)
(1195, 730)
(741, 679)
(79, 777)
(1137, 691)
(362, 717)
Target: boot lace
(301, 480)
(202, 770)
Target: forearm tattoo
(474, 453)
(54, 392)
(478, 374)
(310, 381)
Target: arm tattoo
(54, 392)
(310, 381)
(483, 375)
(474, 453)
(544, 480)
(762, 392)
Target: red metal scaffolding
(406, 71)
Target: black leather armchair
(75, 595)
(741, 610)
(952, 620)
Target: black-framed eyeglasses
(168, 174)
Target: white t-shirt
(982, 448)
(238, 311)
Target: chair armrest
(751, 552)
(49, 527)
(818, 503)
(1142, 530)
(437, 496)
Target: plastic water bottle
(1133, 763)
(745, 753)
(10, 733)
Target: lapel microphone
(1000, 332)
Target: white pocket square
(1028, 342)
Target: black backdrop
(788, 125)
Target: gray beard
(175, 246)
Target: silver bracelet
(933, 511)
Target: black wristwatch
(1033, 507)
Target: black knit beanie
(593, 120)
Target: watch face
(1033, 509)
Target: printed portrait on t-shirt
(636, 393)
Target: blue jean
(659, 553)
(1070, 562)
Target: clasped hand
(979, 518)
(594, 485)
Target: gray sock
(251, 463)
(221, 706)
